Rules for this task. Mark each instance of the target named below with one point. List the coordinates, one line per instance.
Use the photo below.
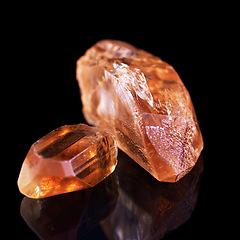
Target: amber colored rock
(142, 101)
(70, 158)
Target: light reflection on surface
(148, 209)
(71, 215)
(130, 204)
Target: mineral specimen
(142, 101)
(70, 158)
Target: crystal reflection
(146, 208)
(71, 215)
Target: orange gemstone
(70, 158)
(142, 101)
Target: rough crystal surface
(142, 101)
(70, 158)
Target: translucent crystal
(142, 101)
(70, 158)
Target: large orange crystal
(70, 158)
(143, 102)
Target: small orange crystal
(70, 158)
(142, 101)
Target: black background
(47, 45)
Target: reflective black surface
(71, 215)
(45, 90)
(148, 209)
(129, 204)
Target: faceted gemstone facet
(70, 158)
(142, 101)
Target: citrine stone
(70, 158)
(142, 101)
